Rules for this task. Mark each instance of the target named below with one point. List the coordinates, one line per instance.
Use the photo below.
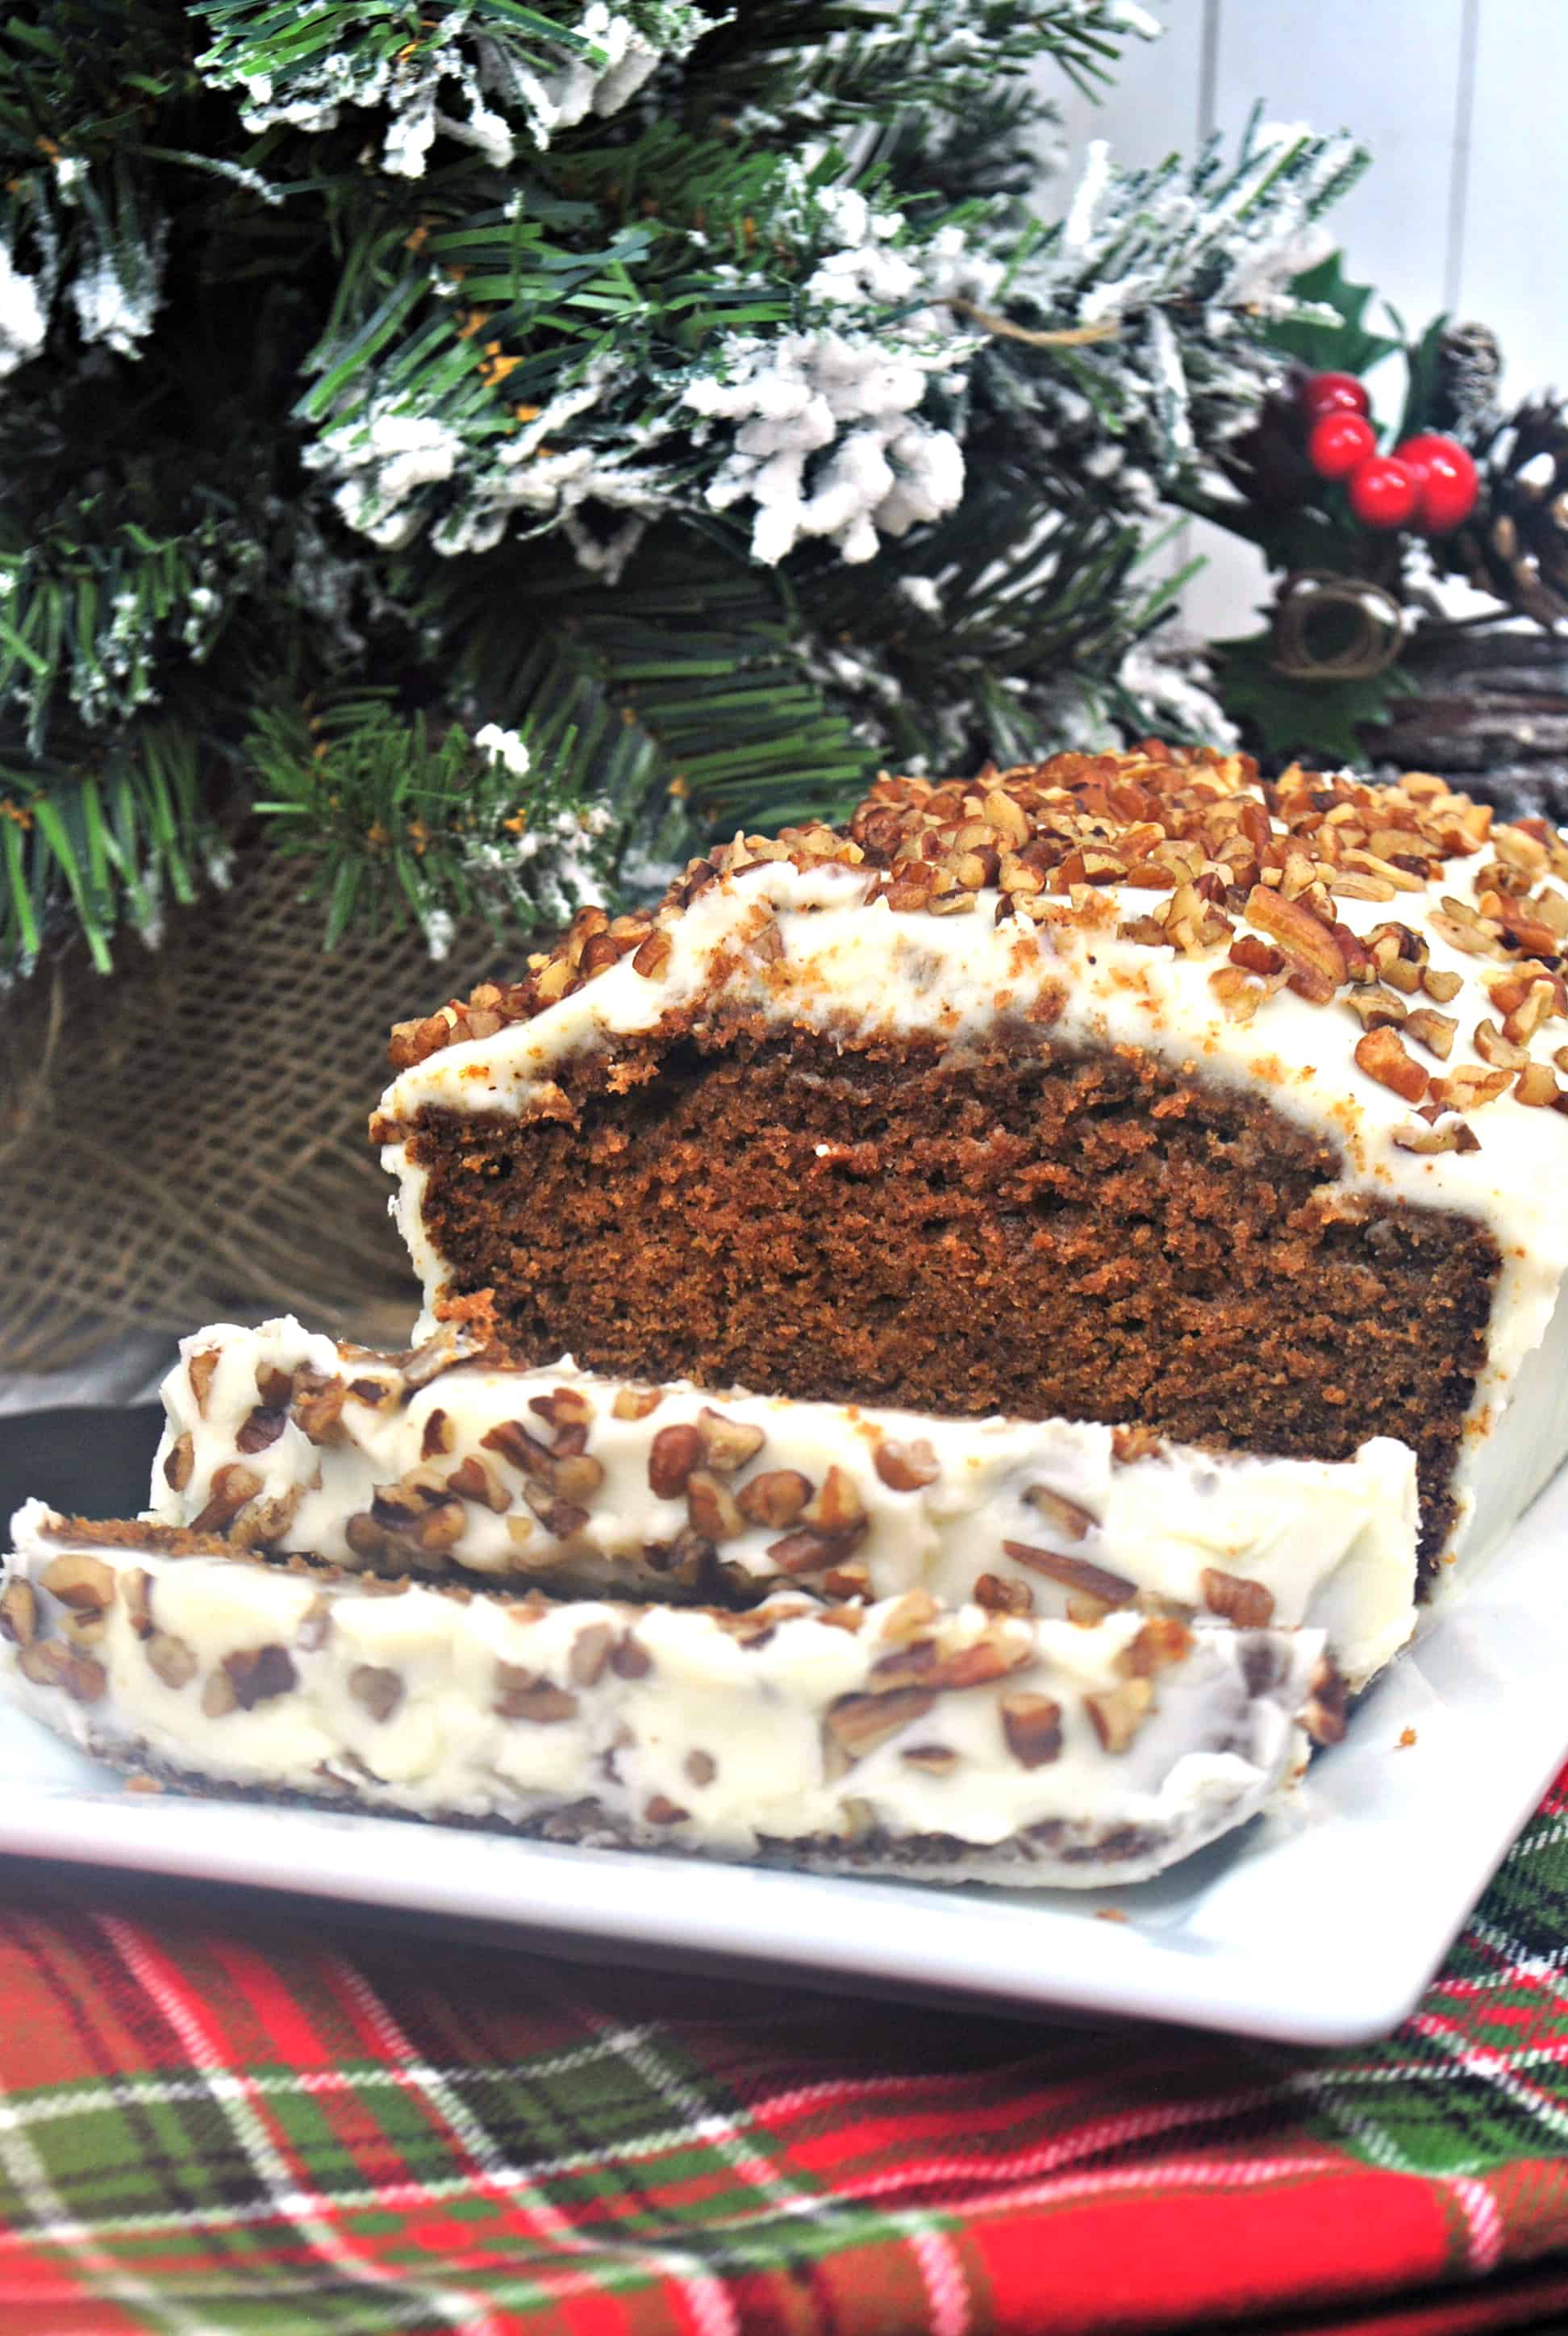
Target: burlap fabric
(184, 1140)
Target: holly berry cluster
(1428, 482)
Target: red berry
(1339, 444)
(1384, 492)
(1449, 485)
(1331, 393)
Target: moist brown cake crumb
(1014, 1227)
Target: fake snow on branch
(473, 73)
(831, 443)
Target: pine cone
(1515, 545)
(1464, 387)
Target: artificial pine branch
(622, 378)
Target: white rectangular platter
(1320, 1928)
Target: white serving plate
(1323, 1928)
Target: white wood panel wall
(1461, 103)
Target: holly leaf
(1316, 721)
(1423, 357)
(1350, 346)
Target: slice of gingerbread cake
(446, 1464)
(1124, 1089)
(898, 1735)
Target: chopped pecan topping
(259, 1429)
(712, 1507)
(999, 1597)
(1383, 1057)
(229, 1490)
(170, 1659)
(662, 1811)
(1305, 940)
(1068, 1517)
(379, 1690)
(1117, 1713)
(1431, 1030)
(1325, 1712)
(636, 1403)
(200, 1371)
(859, 1724)
(1536, 1084)
(439, 1437)
(836, 1506)
(1237, 1599)
(672, 1455)
(178, 1462)
(1074, 1572)
(19, 1613)
(521, 1695)
(727, 1444)
(257, 1674)
(1032, 1725)
(906, 1467)
(48, 1663)
(776, 1497)
(78, 1580)
(808, 1550)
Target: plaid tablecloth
(224, 2122)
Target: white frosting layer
(851, 968)
(904, 1501)
(847, 1732)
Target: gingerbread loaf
(1129, 1089)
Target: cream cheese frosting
(957, 1743)
(815, 945)
(562, 1479)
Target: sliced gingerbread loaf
(1128, 1089)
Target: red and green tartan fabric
(252, 2127)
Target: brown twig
(1071, 336)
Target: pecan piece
(775, 1497)
(1118, 1712)
(523, 1696)
(1236, 1598)
(200, 1371)
(906, 1467)
(672, 1455)
(1074, 1574)
(476, 1478)
(379, 1690)
(226, 1495)
(662, 1811)
(1305, 939)
(858, 1724)
(78, 1580)
(170, 1659)
(47, 1663)
(318, 1407)
(19, 1613)
(178, 1462)
(1032, 1725)
(589, 1653)
(712, 1507)
(727, 1444)
(259, 1429)
(1068, 1517)
(636, 1403)
(257, 1674)
(1382, 1056)
(808, 1551)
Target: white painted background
(1464, 107)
